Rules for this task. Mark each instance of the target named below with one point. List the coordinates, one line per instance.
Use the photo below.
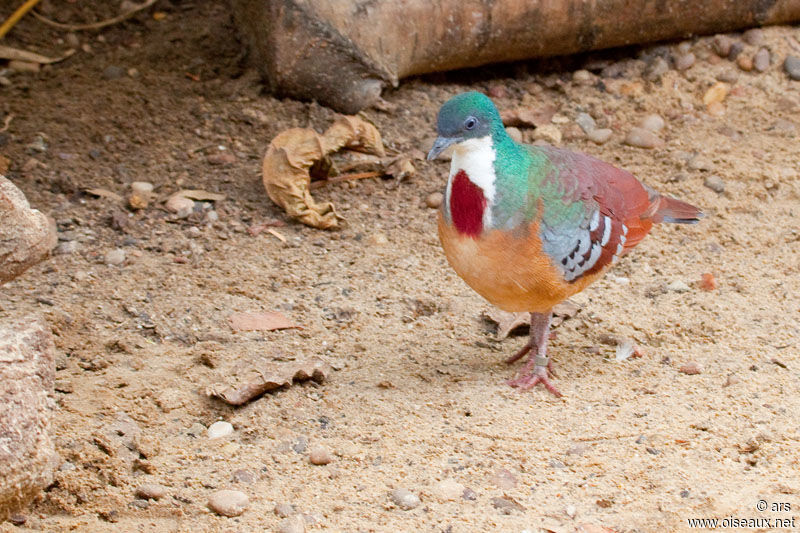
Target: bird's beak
(440, 145)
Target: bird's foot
(541, 373)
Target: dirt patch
(417, 399)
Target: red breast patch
(466, 205)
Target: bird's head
(465, 116)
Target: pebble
(434, 200)
(404, 499)
(506, 506)
(228, 502)
(715, 183)
(221, 158)
(497, 91)
(722, 45)
(744, 63)
(293, 524)
(716, 109)
(319, 456)
(243, 476)
(514, 133)
(196, 430)
(678, 286)
(469, 495)
(761, 60)
(300, 444)
(735, 49)
(378, 239)
(691, 368)
(599, 136)
(728, 76)
(548, 133)
(656, 68)
(684, 62)
(284, 509)
(114, 257)
(66, 247)
(642, 138)
(180, 205)
(700, 162)
(792, 67)
(731, 380)
(586, 122)
(151, 491)
(219, 429)
(578, 449)
(652, 122)
(754, 36)
(571, 511)
(113, 72)
(448, 490)
(72, 40)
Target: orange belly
(509, 268)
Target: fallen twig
(16, 16)
(94, 25)
(7, 122)
(345, 177)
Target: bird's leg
(537, 368)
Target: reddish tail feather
(666, 209)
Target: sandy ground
(418, 395)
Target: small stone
(228, 502)
(715, 183)
(434, 200)
(113, 72)
(599, 136)
(319, 456)
(219, 429)
(657, 67)
(448, 490)
(586, 122)
(555, 463)
(404, 499)
(734, 51)
(744, 63)
(571, 511)
(180, 205)
(678, 286)
(684, 61)
(497, 91)
(578, 449)
(196, 430)
(691, 368)
(716, 109)
(221, 158)
(469, 495)
(142, 187)
(506, 505)
(754, 36)
(72, 40)
(66, 247)
(722, 45)
(652, 451)
(652, 122)
(284, 509)
(378, 239)
(731, 380)
(300, 444)
(151, 491)
(792, 67)
(728, 76)
(582, 77)
(685, 47)
(243, 476)
(761, 60)
(503, 479)
(114, 257)
(700, 162)
(292, 524)
(548, 133)
(642, 138)
(514, 133)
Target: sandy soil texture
(140, 300)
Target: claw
(538, 376)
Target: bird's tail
(667, 209)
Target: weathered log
(342, 52)
(26, 235)
(27, 374)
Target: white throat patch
(476, 158)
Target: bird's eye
(470, 123)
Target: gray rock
(761, 60)
(684, 61)
(113, 72)
(735, 50)
(754, 36)
(792, 67)
(599, 136)
(642, 138)
(27, 377)
(114, 257)
(586, 122)
(151, 491)
(656, 68)
(722, 45)
(293, 524)
(652, 122)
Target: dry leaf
(399, 167)
(264, 375)
(104, 193)
(200, 195)
(266, 321)
(523, 117)
(292, 153)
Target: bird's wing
(592, 212)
